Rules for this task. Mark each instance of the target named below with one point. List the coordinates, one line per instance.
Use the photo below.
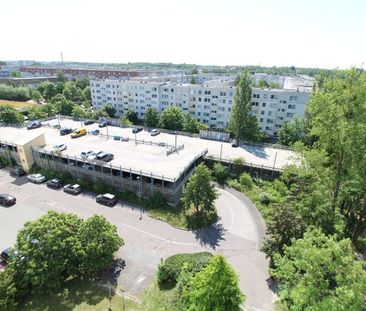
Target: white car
(36, 178)
(59, 147)
(86, 154)
(93, 155)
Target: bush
(8, 291)
(170, 269)
(246, 181)
(220, 173)
(238, 165)
(158, 201)
(265, 198)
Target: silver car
(59, 147)
(36, 178)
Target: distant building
(73, 73)
(209, 103)
(32, 82)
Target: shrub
(158, 201)
(170, 269)
(220, 173)
(246, 181)
(265, 198)
(238, 165)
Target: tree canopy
(199, 191)
(320, 273)
(172, 118)
(216, 287)
(151, 117)
(242, 123)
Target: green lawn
(79, 296)
(155, 299)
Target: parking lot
(148, 240)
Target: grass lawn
(16, 104)
(175, 217)
(155, 299)
(79, 296)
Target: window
(263, 104)
(261, 120)
(291, 106)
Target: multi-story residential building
(209, 103)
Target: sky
(301, 33)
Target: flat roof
(18, 136)
(149, 158)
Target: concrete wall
(25, 151)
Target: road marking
(159, 237)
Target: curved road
(237, 235)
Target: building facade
(209, 103)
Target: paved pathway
(237, 235)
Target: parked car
(17, 172)
(95, 132)
(93, 155)
(103, 124)
(72, 189)
(33, 125)
(7, 199)
(154, 132)
(65, 131)
(88, 122)
(8, 254)
(54, 183)
(59, 147)
(235, 143)
(36, 178)
(137, 130)
(84, 154)
(107, 199)
(78, 133)
(105, 157)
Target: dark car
(54, 183)
(103, 124)
(88, 122)
(33, 125)
(105, 157)
(137, 129)
(107, 199)
(17, 172)
(235, 143)
(7, 199)
(8, 254)
(66, 131)
(72, 189)
(2, 165)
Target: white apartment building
(210, 103)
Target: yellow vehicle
(78, 133)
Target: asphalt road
(237, 235)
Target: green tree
(15, 74)
(262, 83)
(320, 273)
(124, 122)
(51, 252)
(292, 132)
(86, 94)
(99, 113)
(172, 118)
(8, 292)
(36, 112)
(79, 112)
(190, 124)
(110, 110)
(220, 173)
(61, 77)
(62, 105)
(199, 191)
(49, 90)
(151, 117)
(37, 96)
(9, 115)
(132, 116)
(72, 92)
(274, 85)
(242, 124)
(216, 287)
(194, 71)
(99, 241)
(193, 80)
